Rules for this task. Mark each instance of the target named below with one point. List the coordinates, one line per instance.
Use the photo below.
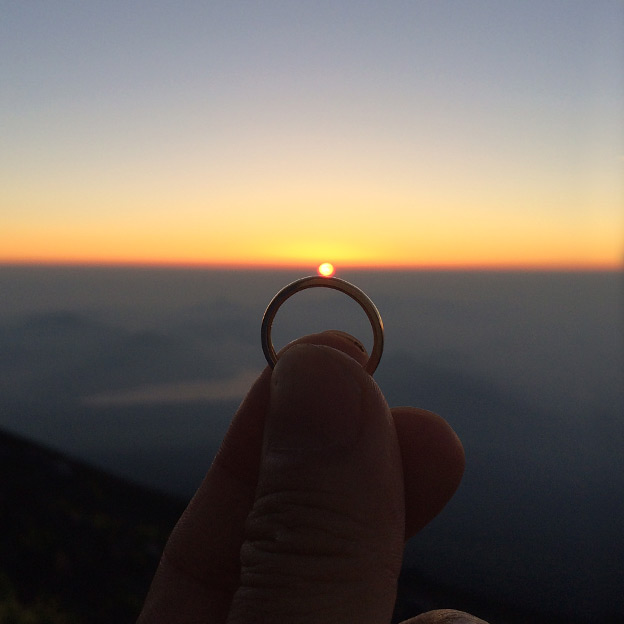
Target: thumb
(324, 539)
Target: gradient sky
(423, 133)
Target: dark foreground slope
(76, 545)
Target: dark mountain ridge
(76, 545)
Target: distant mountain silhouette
(59, 356)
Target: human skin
(303, 515)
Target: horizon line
(288, 266)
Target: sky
(487, 133)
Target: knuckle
(310, 552)
(286, 529)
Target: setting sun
(326, 269)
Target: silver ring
(324, 282)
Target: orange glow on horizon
(304, 266)
(412, 231)
(163, 244)
(520, 246)
(256, 261)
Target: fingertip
(336, 339)
(433, 464)
(445, 616)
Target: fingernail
(448, 616)
(349, 338)
(316, 400)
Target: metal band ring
(325, 282)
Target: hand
(304, 512)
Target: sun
(326, 269)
